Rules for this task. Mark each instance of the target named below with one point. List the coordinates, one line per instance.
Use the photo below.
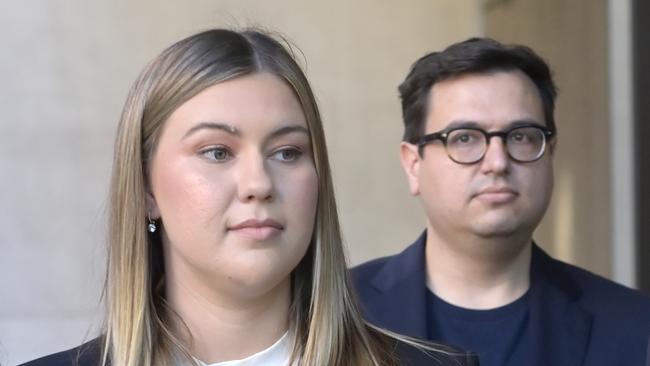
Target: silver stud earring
(151, 227)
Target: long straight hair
(325, 323)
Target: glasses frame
(442, 135)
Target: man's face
(495, 197)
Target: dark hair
(475, 55)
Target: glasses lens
(526, 143)
(465, 145)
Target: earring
(151, 227)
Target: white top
(276, 355)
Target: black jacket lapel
(401, 285)
(559, 328)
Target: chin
(253, 285)
(505, 229)
(257, 274)
(496, 233)
(497, 228)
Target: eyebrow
(235, 132)
(212, 126)
(287, 130)
(474, 124)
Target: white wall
(65, 68)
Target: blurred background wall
(66, 67)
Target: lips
(497, 195)
(257, 229)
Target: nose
(254, 181)
(496, 159)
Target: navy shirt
(498, 335)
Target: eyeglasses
(468, 145)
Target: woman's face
(234, 183)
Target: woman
(224, 241)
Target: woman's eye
(287, 154)
(218, 154)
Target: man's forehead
(455, 124)
(488, 79)
(487, 100)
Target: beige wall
(572, 37)
(66, 67)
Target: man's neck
(228, 329)
(478, 273)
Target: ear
(410, 159)
(150, 200)
(152, 206)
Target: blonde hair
(325, 323)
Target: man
(478, 150)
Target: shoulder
(88, 354)
(596, 288)
(410, 355)
(394, 268)
(602, 297)
(366, 271)
(608, 299)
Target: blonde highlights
(325, 323)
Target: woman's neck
(224, 328)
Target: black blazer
(647, 361)
(412, 356)
(576, 318)
(89, 354)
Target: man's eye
(287, 154)
(218, 154)
(463, 138)
(518, 136)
